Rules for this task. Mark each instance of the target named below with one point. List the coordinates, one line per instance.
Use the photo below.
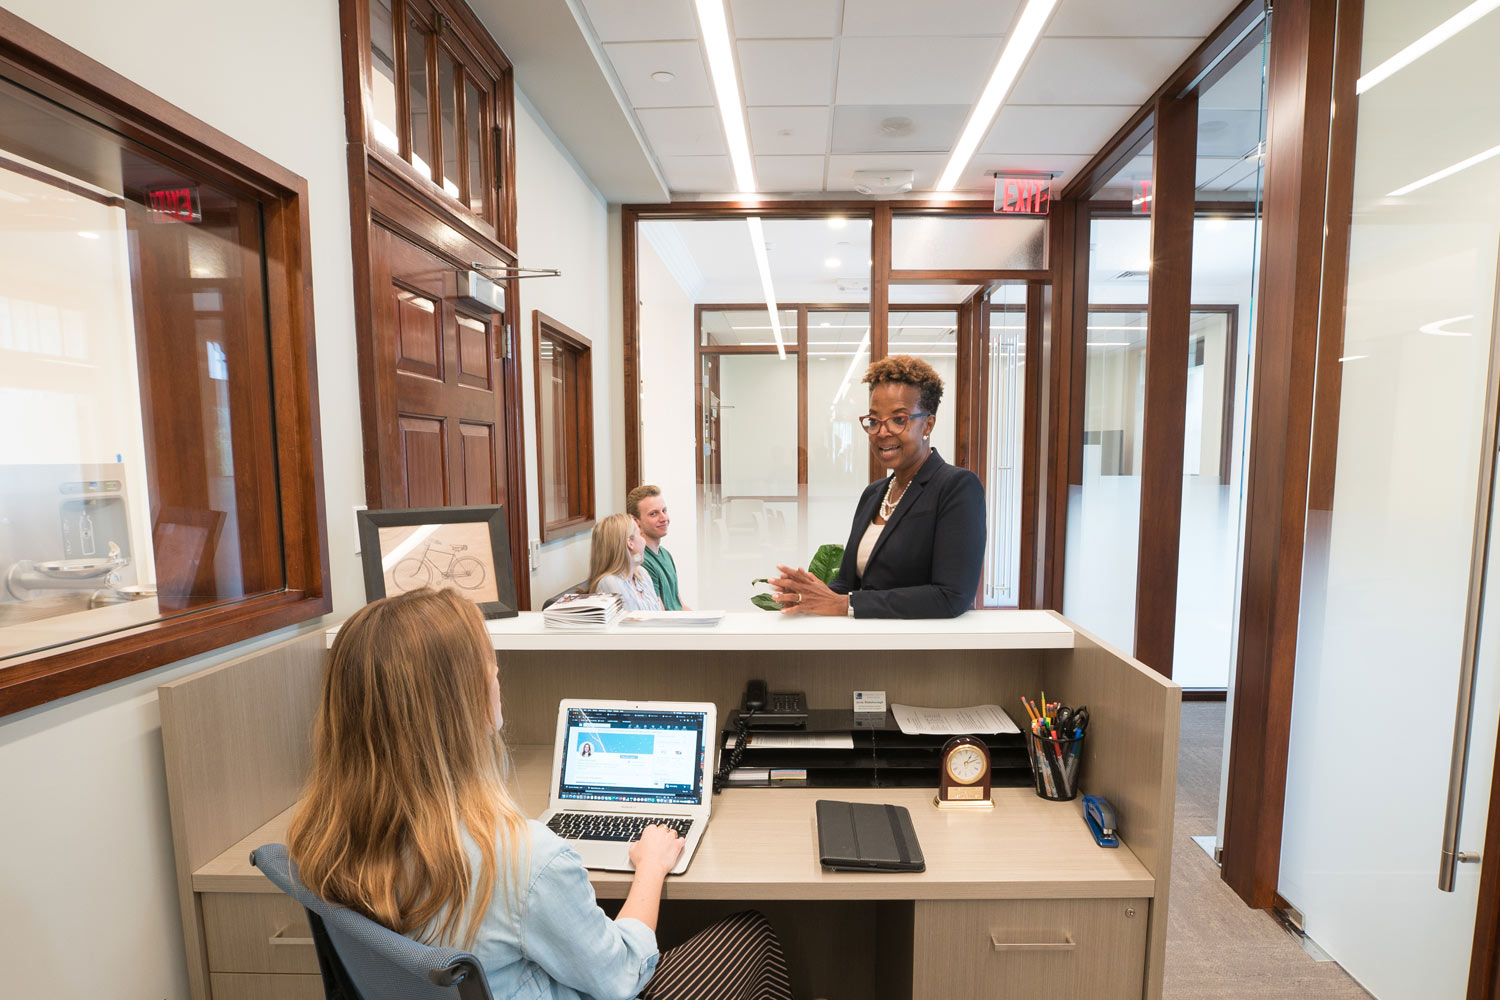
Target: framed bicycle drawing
(463, 549)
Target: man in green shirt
(645, 504)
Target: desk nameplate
(762, 844)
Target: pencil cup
(1054, 765)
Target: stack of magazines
(583, 612)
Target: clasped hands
(799, 592)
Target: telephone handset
(762, 709)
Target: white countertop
(766, 630)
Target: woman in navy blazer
(916, 548)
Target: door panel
(441, 373)
(420, 338)
(478, 442)
(423, 467)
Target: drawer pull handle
(280, 938)
(1066, 944)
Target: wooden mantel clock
(965, 775)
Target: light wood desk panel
(1029, 866)
(762, 844)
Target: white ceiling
(835, 86)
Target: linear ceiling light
(758, 244)
(1017, 50)
(1416, 50)
(1446, 172)
(726, 89)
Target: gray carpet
(1218, 948)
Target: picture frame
(464, 549)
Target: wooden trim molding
(630, 353)
(579, 452)
(1300, 99)
(44, 64)
(1168, 321)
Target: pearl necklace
(888, 506)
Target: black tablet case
(867, 837)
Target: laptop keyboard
(608, 826)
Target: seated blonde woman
(408, 819)
(616, 563)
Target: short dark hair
(907, 370)
(634, 497)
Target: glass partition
(1004, 449)
(137, 480)
(1104, 514)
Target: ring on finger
(799, 597)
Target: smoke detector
(883, 181)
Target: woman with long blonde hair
(408, 819)
(617, 563)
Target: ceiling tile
(899, 19)
(1194, 19)
(928, 167)
(1240, 87)
(697, 174)
(920, 129)
(1066, 128)
(979, 174)
(785, 18)
(634, 62)
(1227, 133)
(915, 70)
(683, 131)
(783, 131)
(642, 20)
(781, 73)
(1099, 71)
(785, 174)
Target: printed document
(953, 721)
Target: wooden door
(442, 440)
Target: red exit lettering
(179, 204)
(1023, 195)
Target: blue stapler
(1100, 816)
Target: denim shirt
(565, 948)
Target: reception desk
(1014, 899)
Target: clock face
(966, 765)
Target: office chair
(361, 960)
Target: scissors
(1062, 721)
(1080, 719)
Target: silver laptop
(619, 766)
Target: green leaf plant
(824, 565)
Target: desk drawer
(257, 932)
(1092, 948)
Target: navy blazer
(928, 560)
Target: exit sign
(174, 204)
(1023, 194)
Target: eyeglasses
(895, 425)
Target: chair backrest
(368, 961)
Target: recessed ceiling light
(1416, 50)
(833, 262)
(663, 76)
(1438, 328)
(715, 30)
(837, 222)
(1012, 58)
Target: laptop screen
(633, 755)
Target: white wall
(87, 868)
(668, 406)
(87, 875)
(563, 222)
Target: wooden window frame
(580, 449)
(476, 58)
(63, 74)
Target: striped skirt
(736, 958)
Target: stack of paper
(583, 612)
(672, 619)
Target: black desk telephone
(773, 710)
(760, 709)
